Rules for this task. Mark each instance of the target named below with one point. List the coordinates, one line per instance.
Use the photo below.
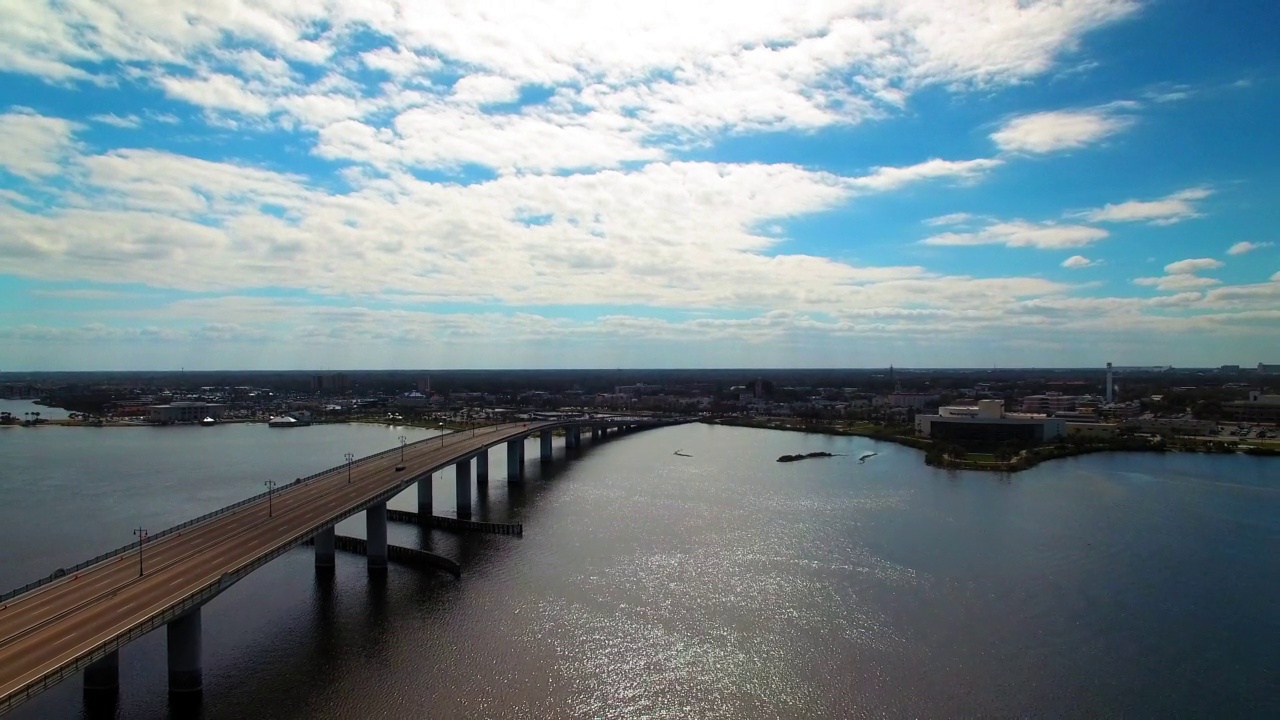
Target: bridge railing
(61, 572)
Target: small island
(793, 458)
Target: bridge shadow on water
(500, 502)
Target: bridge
(77, 619)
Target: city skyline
(387, 185)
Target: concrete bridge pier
(462, 473)
(375, 526)
(544, 449)
(185, 672)
(424, 496)
(482, 467)
(574, 437)
(102, 676)
(515, 460)
(325, 549)
(595, 433)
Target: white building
(184, 411)
(987, 424)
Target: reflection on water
(718, 585)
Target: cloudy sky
(404, 184)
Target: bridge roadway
(50, 632)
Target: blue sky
(394, 184)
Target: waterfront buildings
(986, 424)
(1258, 408)
(184, 411)
(1054, 402)
(911, 399)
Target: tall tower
(1110, 397)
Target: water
(18, 407)
(723, 585)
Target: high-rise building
(330, 382)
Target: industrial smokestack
(1110, 387)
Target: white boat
(284, 421)
(208, 421)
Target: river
(721, 585)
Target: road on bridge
(58, 623)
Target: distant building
(986, 424)
(1258, 408)
(637, 390)
(1265, 369)
(1092, 429)
(184, 411)
(1171, 426)
(911, 400)
(330, 382)
(17, 391)
(1054, 402)
(412, 399)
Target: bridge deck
(60, 626)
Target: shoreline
(1024, 461)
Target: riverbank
(953, 458)
(890, 433)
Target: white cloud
(1045, 132)
(1075, 262)
(483, 89)
(958, 218)
(34, 145)
(892, 178)
(1245, 246)
(1019, 233)
(621, 75)
(120, 121)
(400, 63)
(1192, 265)
(1179, 281)
(217, 91)
(1165, 211)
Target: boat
(208, 421)
(284, 421)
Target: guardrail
(207, 592)
(61, 572)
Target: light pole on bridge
(350, 458)
(403, 440)
(271, 486)
(441, 433)
(141, 532)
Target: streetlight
(441, 433)
(141, 532)
(271, 485)
(403, 440)
(350, 458)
